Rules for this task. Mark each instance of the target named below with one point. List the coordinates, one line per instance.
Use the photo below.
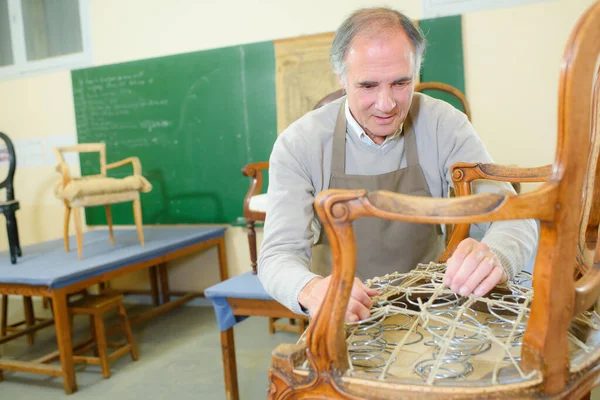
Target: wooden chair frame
(557, 204)
(63, 168)
(444, 87)
(255, 172)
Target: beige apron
(382, 246)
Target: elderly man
(380, 136)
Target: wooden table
(46, 270)
(234, 300)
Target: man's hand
(312, 295)
(473, 268)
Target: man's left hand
(473, 268)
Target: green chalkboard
(444, 57)
(196, 119)
(193, 119)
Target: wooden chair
(95, 190)
(568, 207)
(10, 206)
(95, 307)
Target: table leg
(223, 260)
(63, 339)
(29, 317)
(229, 365)
(164, 283)
(153, 275)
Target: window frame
(21, 67)
(445, 8)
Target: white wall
(512, 59)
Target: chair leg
(29, 317)
(11, 240)
(127, 330)
(4, 326)
(78, 230)
(101, 343)
(109, 222)
(137, 216)
(252, 244)
(66, 227)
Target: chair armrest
(462, 176)
(134, 161)
(464, 173)
(63, 169)
(253, 171)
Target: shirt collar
(355, 128)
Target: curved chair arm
(464, 173)
(443, 87)
(63, 169)
(134, 161)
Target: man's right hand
(312, 295)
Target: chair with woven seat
(95, 306)
(95, 190)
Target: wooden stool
(95, 306)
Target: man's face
(379, 81)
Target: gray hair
(372, 21)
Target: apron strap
(410, 143)
(338, 154)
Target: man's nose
(385, 100)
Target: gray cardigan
(300, 168)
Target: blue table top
(244, 286)
(47, 263)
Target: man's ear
(342, 82)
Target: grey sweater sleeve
(286, 248)
(514, 241)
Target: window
(443, 8)
(43, 35)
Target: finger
(356, 311)
(488, 283)
(368, 290)
(360, 295)
(470, 263)
(482, 271)
(456, 260)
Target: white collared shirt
(355, 127)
